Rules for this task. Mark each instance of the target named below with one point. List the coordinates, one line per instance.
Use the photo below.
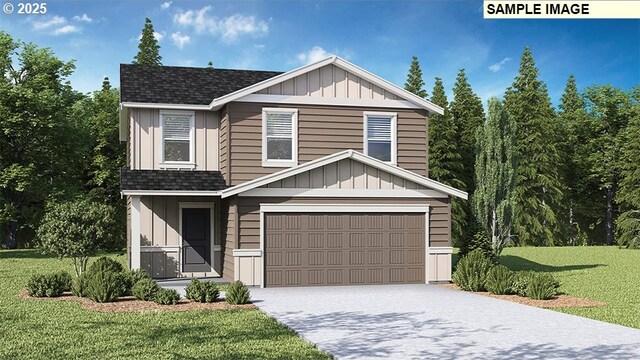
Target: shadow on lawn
(519, 263)
(24, 254)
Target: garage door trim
(343, 208)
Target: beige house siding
(330, 81)
(345, 174)
(322, 130)
(249, 215)
(146, 140)
(230, 235)
(224, 143)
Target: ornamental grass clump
(500, 280)
(471, 271)
(202, 291)
(238, 293)
(49, 285)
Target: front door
(196, 240)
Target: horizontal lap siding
(249, 216)
(224, 144)
(322, 131)
(230, 234)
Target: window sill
(279, 163)
(185, 165)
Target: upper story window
(380, 140)
(279, 137)
(177, 137)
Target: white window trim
(344, 208)
(394, 134)
(294, 138)
(191, 164)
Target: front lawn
(37, 329)
(608, 274)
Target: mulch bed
(131, 304)
(560, 301)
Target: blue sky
(378, 36)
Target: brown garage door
(344, 249)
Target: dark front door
(196, 240)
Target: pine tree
(628, 196)
(537, 191)
(445, 163)
(495, 176)
(414, 83)
(149, 50)
(210, 65)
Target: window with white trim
(380, 141)
(177, 136)
(279, 137)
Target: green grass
(33, 329)
(608, 274)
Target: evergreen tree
(537, 191)
(415, 83)
(210, 65)
(445, 163)
(610, 110)
(628, 196)
(495, 176)
(149, 50)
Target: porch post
(135, 232)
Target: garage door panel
(343, 249)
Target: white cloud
(165, 5)
(229, 28)
(498, 66)
(83, 18)
(316, 53)
(180, 40)
(55, 25)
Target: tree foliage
(148, 48)
(537, 191)
(445, 162)
(415, 83)
(496, 163)
(628, 196)
(76, 230)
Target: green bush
(237, 293)
(145, 289)
(79, 285)
(202, 291)
(500, 280)
(105, 286)
(521, 282)
(132, 277)
(49, 285)
(166, 297)
(471, 271)
(542, 286)
(106, 264)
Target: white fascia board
(339, 193)
(380, 82)
(168, 193)
(282, 174)
(308, 100)
(344, 208)
(164, 106)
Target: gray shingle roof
(183, 85)
(169, 180)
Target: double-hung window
(177, 137)
(279, 137)
(380, 140)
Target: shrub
(166, 297)
(49, 285)
(542, 286)
(500, 280)
(132, 277)
(105, 286)
(76, 230)
(471, 271)
(105, 264)
(521, 282)
(202, 291)
(145, 289)
(237, 293)
(79, 285)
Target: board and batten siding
(330, 81)
(249, 215)
(229, 233)
(146, 139)
(322, 131)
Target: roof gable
(334, 158)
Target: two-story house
(316, 176)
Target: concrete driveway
(431, 322)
